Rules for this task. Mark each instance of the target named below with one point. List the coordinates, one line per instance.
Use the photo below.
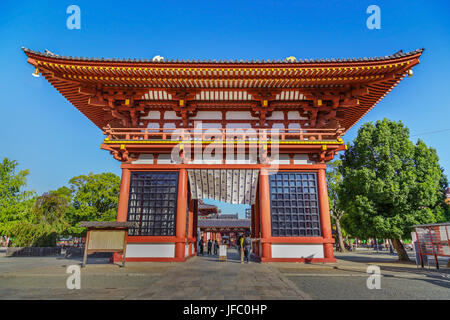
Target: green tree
(45, 223)
(443, 206)
(63, 192)
(50, 208)
(389, 184)
(95, 198)
(15, 203)
(334, 181)
(37, 221)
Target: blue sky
(47, 135)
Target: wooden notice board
(106, 237)
(223, 253)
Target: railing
(219, 134)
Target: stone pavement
(347, 279)
(207, 278)
(198, 278)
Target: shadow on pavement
(437, 277)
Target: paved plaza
(207, 278)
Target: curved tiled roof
(378, 76)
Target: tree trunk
(398, 245)
(340, 240)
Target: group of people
(244, 243)
(209, 245)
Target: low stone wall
(75, 252)
(32, 251)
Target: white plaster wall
(238, 125)
(240, 159)
(146, 158)
(276, 115)
(239, 115)
(165, 159)
(302, 159)
(297, 251)
(198, 159)
(211, 115)
(170, 115)
(210, 125)
(295, 115)
(152, 115)
(150, 250)
(282, 159)
(186, 250)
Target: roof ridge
(396, 55)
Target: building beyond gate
(225, 228)
(245, 132)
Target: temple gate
(254, 132)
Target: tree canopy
(37, 221)
(389, 183)
(95, 197)
(15, 202)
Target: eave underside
(119, 94)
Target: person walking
(247, 243)
(200, 243)
(209, 246)
(241, 248)
(216, 247)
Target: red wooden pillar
(205, 238)
(264, 202)
(191, 226)
(122, 209)
(257, 223)
(325, 220)
(181, 215)
(195, 224)
(252, 219)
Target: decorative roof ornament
(36, 73)
(291, 59)
(48, 52)
(158, 58)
